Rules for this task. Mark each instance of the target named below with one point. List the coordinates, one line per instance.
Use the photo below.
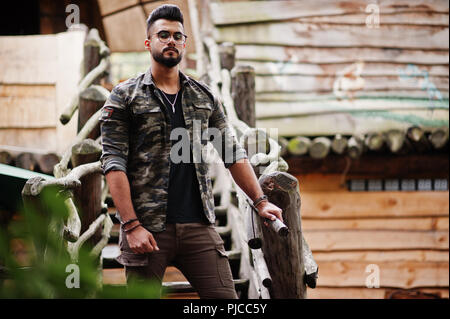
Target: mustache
(170, 49)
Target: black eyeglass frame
(171, 37)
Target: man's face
(170, 53)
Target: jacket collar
(148, 79)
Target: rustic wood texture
(349, 123)
(110, 6)
(331, 35)
(339, 55)
(243, 93)
(224, 13)
(88, 196)
(283, 255)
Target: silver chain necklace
(174, 101)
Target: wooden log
(299, 145)
(47, 162)
(88, 197)
(396, 141)
(331, 69)
(6, 158)
(439, 137)
(26, 161)
(243, 93)
(261, 269)
(339, 144)
(374, 141)
(313, 83)
(284, 255)
(339, 55)
(283, 142)
(331, 35)
(418, 139)
(355, 147)
(320, 147)
(278, 109)
(227, 53)
(91, 100)
(224, 13)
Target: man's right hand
(141, 241)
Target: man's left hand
(270, 211)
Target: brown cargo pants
(195, 249)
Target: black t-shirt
(184, 203)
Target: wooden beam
(354, 122)
(110, 6)
(332, 35)
(277, 54)
(374, 204)
(309, 83)
(383, 256)
(282, 109)
(224, 13)
(370, 68)
(372, 165)
(359, 95)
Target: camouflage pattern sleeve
(232, 151)
(114, 126)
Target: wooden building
(358, 91)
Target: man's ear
(147, 44)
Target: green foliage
(50, 272)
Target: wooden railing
(277, 264)
(83, 188)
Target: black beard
(168, 62)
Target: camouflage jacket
(135, 131)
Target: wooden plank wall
(298, 50)
(303, 50)
(39, 75)
(405, 234)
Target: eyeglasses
(178, 37)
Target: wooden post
(284, 255)
(91, 100)
(243, 93)
(88, 196)
(227, 53)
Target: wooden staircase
(174, 281)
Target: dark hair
(166, 11)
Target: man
(166, 207)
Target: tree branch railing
(258, 264)
(69, 181)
